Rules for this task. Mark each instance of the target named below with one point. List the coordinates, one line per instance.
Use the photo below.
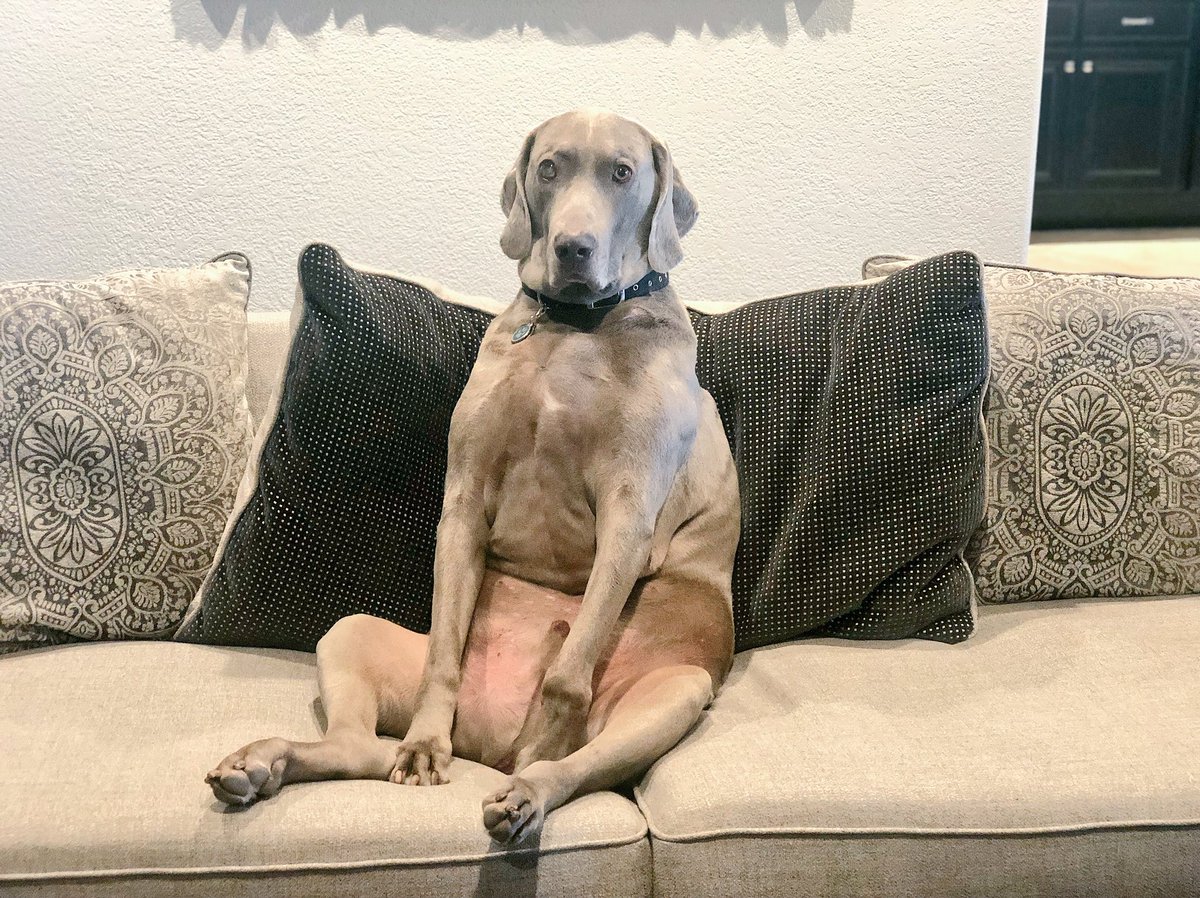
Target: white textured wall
(813, 132)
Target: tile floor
(1145, 252)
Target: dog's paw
(250, 773)
(515, 813)
(422, 761)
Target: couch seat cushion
(104, 753)
(1056, 753)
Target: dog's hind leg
(656, 712)
(369, 670)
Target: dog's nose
(574, 247)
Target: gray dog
(582, 617)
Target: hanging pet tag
(527, 328)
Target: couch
(1055, 753)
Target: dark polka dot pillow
(855, 417)
(345, 511)
(853, 413)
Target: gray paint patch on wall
(568, 23)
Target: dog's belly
(510, 643)
(517, 630)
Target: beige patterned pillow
(1094, 424)
(123, 434)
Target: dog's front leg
(423, 757)
(557, 724)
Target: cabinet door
(1130, 131)
(1052, 120)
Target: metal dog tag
(527, 328)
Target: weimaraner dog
(582, 616)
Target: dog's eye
(547, 170)
(622, 173)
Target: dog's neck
(651, 283)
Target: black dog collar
(651, 283)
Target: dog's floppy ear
(517, 238)
(674, 213)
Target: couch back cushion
(1093, 421)
(270, 337)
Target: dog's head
(593, 203)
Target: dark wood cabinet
(1117, 138)
(1053, 130)
(1130, 131)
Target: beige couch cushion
(104, 751)
(1055, 753)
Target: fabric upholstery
(1130, 863)
(105, 749)
(124, 430)
(1053, 754)
(853, 414)
(270, 338)
(1094, 432)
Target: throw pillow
(123, 434)
(1094, 425)
(342, 515)
(855, 418)
(853, 414)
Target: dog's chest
(543, 416)
(544, 397)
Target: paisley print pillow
(1094, 429)
(123, 434)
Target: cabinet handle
(1137, 21)
(1069, 66)
(1088, 67)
